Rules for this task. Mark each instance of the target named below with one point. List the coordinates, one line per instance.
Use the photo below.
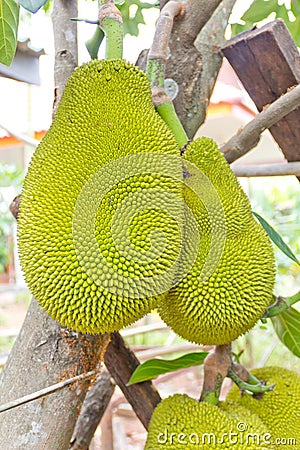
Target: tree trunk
(44, 354)
(195, 58)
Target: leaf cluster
(132, 14)
(261, 10)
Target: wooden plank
(267, 62)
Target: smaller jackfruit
(230, 281)
(181, 422)
(278, 409)
(98, 233)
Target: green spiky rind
(278, 409)
(105, 113)
(182, 418)
(229, 303)
(240, 412)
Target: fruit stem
(110, 20)
(255, 386)
(167, 112)
(280, 305)
(156, 64)
(216, 366)
(243, 374)
(158, 52)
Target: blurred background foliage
(277, 200)
(261, 11)
(11, 178)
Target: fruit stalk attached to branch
(159, 50)
(216, 367)
(255, 386)
(279, 408)
(156, 69)
(110, 20)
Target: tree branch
(197, 15)
(121, 363)
(22, 137)
(92, 411)
(46, 391)
(185, 63)
(65, 42)
(216, 367)
(268, 170)
(209, 43)
(248, 137)
(158, 52)
(156, 62)
(110, 20)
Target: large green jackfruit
(231, 281)
(278, 409)
(98, 228)
(181, 422)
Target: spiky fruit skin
(181, 422)
(78, 261)
(278, 409)
(225, 292)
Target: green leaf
(293, 299)
(294, 29)
(295, 7)
(237, 28)
(131, 24)
(47, 6)
(287, 327)
(154, 367)
(276, 238)
(32, 5)
(259, 10)
(282, 13)
(9, 21)
(93, 44)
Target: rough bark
(216, 366)
(195, 65)
(209, 43)
(184, 65)
(65, 42)
(92, 411)
(44, 352)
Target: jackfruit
(231, 281)
(99, 226)
(278, 409)
(181, 422)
